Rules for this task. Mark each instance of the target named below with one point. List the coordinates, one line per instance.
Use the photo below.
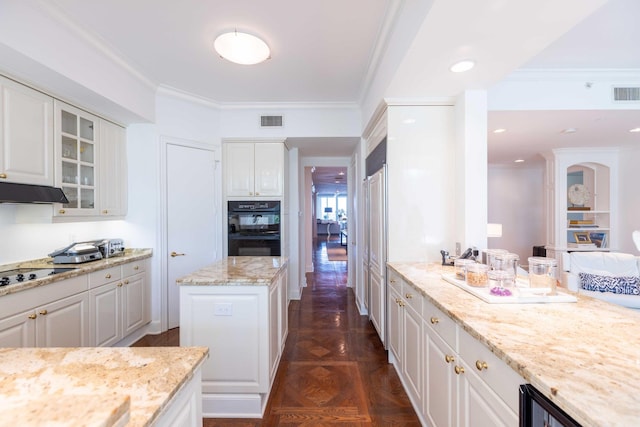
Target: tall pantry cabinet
(419, 192)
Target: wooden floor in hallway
(334, 369)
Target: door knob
(175, 254)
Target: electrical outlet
(223, 309)
(458, 248)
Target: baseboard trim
(233, 405)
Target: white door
(191, 217)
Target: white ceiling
(325, 52)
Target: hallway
(334, 370)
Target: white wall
(629, 198)
(515, 196)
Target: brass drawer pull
(126, 282)
(136, 268)
(409, 296)
(33, 316)
(108, 276)
(61, 211)
(434, 320)
(119, 284)
(459, 370)
(448, 358)
(3, 175)
(481, 365)
(44, 312)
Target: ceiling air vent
(626, 94)
(270, 121)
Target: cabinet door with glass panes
(76, 152)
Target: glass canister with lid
(491, 256)
(459, 267)
(542, 275)
(477, 275)
(507, 262)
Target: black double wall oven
(254, 228)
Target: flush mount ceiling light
(501, 130)
(569, 130)
(634, 130)
(519, 161)
(462, 66)
(241, 48)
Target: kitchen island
(153, 386)
(238, 308)
(583, 356)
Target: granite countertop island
(584, 356)
(130, 255)
(237, 271)
(92, 386)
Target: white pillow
(604, 263)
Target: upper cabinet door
(76, 157)
(239, 172)
(26, 134)
(113, 169)
(269, 169)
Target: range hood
(26, 193)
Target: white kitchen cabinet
(64, 323)
(243, 328)
(26, 134)
(59, 323)
(254, 169)
(405, 335)
(465, 384)
(113, 170)
(377, 299)
(120, 302)
(90, 164)
(18, 330)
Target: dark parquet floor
(334, 369)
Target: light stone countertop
(130, 255)
(92, 386)
(237, 271)
(584, 356)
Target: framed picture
(581, 237)
(600, 239)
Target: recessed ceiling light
(519, 161)
(569, 130)
(501, 130)
(241, 48)
(634, 130)
(408, 121)
(462, 66)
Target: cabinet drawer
(395, 282)
(132, 268)
(499, 376)
(31, 298)
(99, 278)
(412, 297)
(442, 324)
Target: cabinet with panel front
(26, 134)
(405, 335)
(56, 315)
(465, 384)
(90, 160)
(254, 169)
(120, 302)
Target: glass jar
(491, 255)
(501, 282)
(542, 275)
(459, 266)
(476, 275)
(507, 262)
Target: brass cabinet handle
(257, 194)
(392, 280)
(481, 365)
(448, 358)
(43, 312)
(398, 301)
(434, 320)
(136, 268)
(105, 211)
(459, 370)
(107, 276)
(119, 284)
(3, 175)
(126, 282)
(33, 316)
(408, 296)
(61, 211)
(175, 254)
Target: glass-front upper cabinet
(76, 159)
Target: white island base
(237, 308)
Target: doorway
(191, 216)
